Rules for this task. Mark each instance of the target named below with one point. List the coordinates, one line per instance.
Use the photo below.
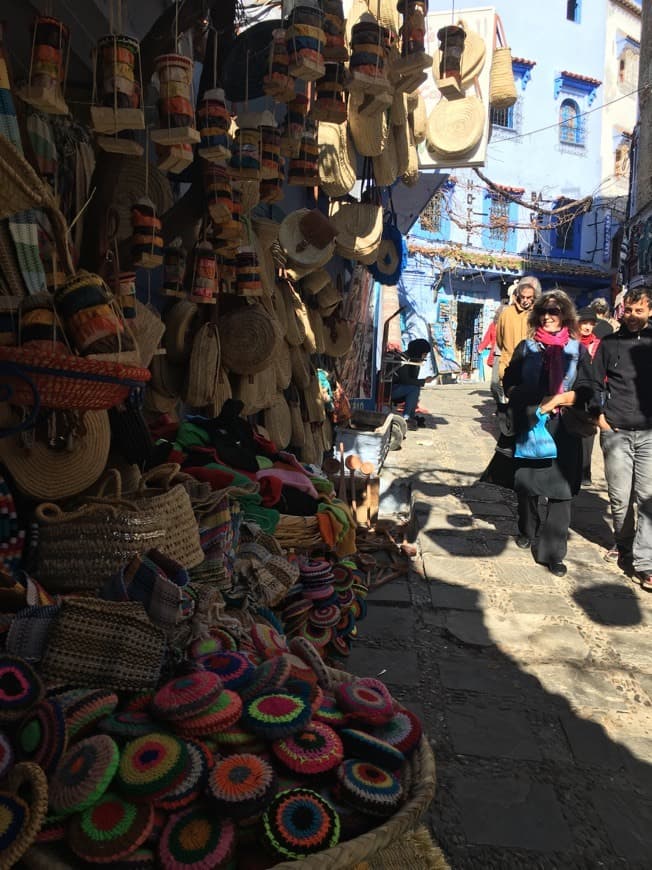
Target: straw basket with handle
(502, 88)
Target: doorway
(468, 334)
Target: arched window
(570, 124)
(628, 63)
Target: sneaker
(558, 569)
(412, 424)
(645, 578)
(421, 421)
(612, 555)
(523, 542)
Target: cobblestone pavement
(536, 691)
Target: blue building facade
(539, 205)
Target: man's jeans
(411, 395)
(628, 469)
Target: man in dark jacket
(406, 383)
(622, 375)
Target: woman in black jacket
(542, 375)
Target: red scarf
(554, 343)
(590, 342)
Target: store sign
(606, 241)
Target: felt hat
(232, 668)
(270, 676)
(242, 785)
(83, 775)
(127, 724)
(44, 472)
(6, 754)
(84, 708)
(187, 695)
(368, 747)
(402, 731)
(366, 700)
(196, 837)
(222, 714)
(300, 822)
(110, 829)
(330, 713)
(307, 237)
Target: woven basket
(411, 175)
(419, 120)
(203, 368)
(455, 127)
(223, 392)
(402, 142)
(298, 532)
(283, 365)
(300, 367)
(337, 159)
(386, 164)
(369, 132)
(502, 87)
(314, 401)
(278, 422)
(248, 339)
(147, 330)
(360, 229)
(298, 438)
(338, 336)
(71, 382)
(296, 331)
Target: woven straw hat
(455, 127)
(301, 367)
(369, 132)
(248, 339)
(295, 331)
(359, 229)
(337, 159)
(307, 238)
(278, 422)
(179, 330)
(315, 282)
(44, 473)
(419, 120)
(473, 57)
(386, 164)
(411, 175)
(338, 337)
(283, 365)
(317, 328)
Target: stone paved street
(536, 691)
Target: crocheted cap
(325, 616)
(299, 822)
(84, 774)
(402, 731)
(187, 695)
(242, 785)
(84, 708)
(20, 688)
(139, 702)
(308, 653)
(189, 786)
(268, 677)
(126, 724)
(276, 714)
(111, 829)
(14, 821)
(42, 736)
(233, 668)
(299, 670)
(6, 754)
(267, 640)
(366, 700)
(197, 838)
(222, 714)
(139, 859)
(53, 829)
(329, 713)
(204, 646)
(151, 765)
(317, 749)
(367, 747)
(369, 788)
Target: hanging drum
(174, 159)
(175, 106)
(334, 28)
(305, 41)
(278, 83)
(304, 169)
(368, 64)
(214, 122)
(409, 68)
(248, 281)
(330, 97)
(117, 108)
(245, 153)
(218, 191)
(146, 240)
(47, 66)
(174, 269)
(203, 276)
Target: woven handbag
(502, 88)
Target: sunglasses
(554, 311)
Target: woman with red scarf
(541, 376)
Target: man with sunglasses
(620, 377)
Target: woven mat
(414, 849)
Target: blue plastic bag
(537, 442)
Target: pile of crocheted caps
(253, 742)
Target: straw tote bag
(369, 132)
(337, 159)
(502, 88)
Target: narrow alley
(536, 691)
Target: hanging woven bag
(502, 87)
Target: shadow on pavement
(609, 604)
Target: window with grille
(571, 124)
(431, 216)
(498, 218)
(573, 10)
(503, 118)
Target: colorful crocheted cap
(242, 785)
(84, 773)
(53, 829)
(42, 736)
(189, 787)
(267, 641)
(110, 830)
(151, 765)
(325, 616)
(188, 695)
(369, 788)
(329, 713)
(299, 822)
(204, 646)
(402, 731)
(275, 715)
(271, 676)
(86, 710)
(23, 807)
(317, 635)
(140, 859)
(342, 577)
(233, 668)
(366, 700)
(309, 654)
(6, 754)
(222, 714)
(317, 749)
(127, 725)
(197, 838)
(340, 647)
(299, 670)
(20, 688)
(367, 747)
(139, 702)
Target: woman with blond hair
(541, 377)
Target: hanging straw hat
(402, 142)
(278, 422)
(180, 322)
(248, 339)
(203, 368)
(147, 330)
(42, 472)
(337, 159)
(338, 336)
(317, 328)
(307, 236)
(455, 127)
(369, 132)
(328, 299)
(295, 331)
(359, 229)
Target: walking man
(511, 328)
(621, 375)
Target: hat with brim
(308, 239)
(587, 314)
(44, 472)
(360, 229)
(455, 127)
(392, 256)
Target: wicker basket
(419, 782)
